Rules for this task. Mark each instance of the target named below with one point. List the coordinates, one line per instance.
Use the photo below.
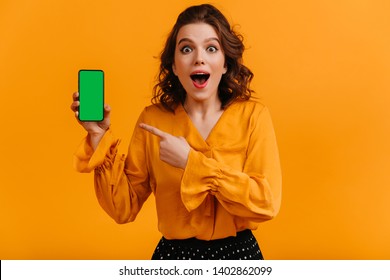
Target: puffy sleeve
(121, 183)
(254, 192)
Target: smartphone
(91, 95)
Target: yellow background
(322, 67)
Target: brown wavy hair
(234, 84)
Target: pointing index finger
(155, 131)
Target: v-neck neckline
(213, 129)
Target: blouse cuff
(199, 179)
(86, 160)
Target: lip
(200, 72)
(200, 86)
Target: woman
(204, 148)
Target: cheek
(220, 64)
(181, 68)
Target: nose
(199, 59)
(199, 62)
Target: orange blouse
(232, 180)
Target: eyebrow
(207, 40)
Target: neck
(202, 108)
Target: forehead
(196, 32)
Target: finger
(74, 106)
(153, 130)
(75, 96)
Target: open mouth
(200, 79)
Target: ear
(225, 68)
(174, 69)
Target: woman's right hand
(95, 130)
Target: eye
(212, 49)
(186, 49)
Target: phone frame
(80, 95)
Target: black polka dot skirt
(244, 246)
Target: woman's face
(199, 61)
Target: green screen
(91, 90)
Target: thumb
(107, 111)
(105, 124)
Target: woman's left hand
(173, 150)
